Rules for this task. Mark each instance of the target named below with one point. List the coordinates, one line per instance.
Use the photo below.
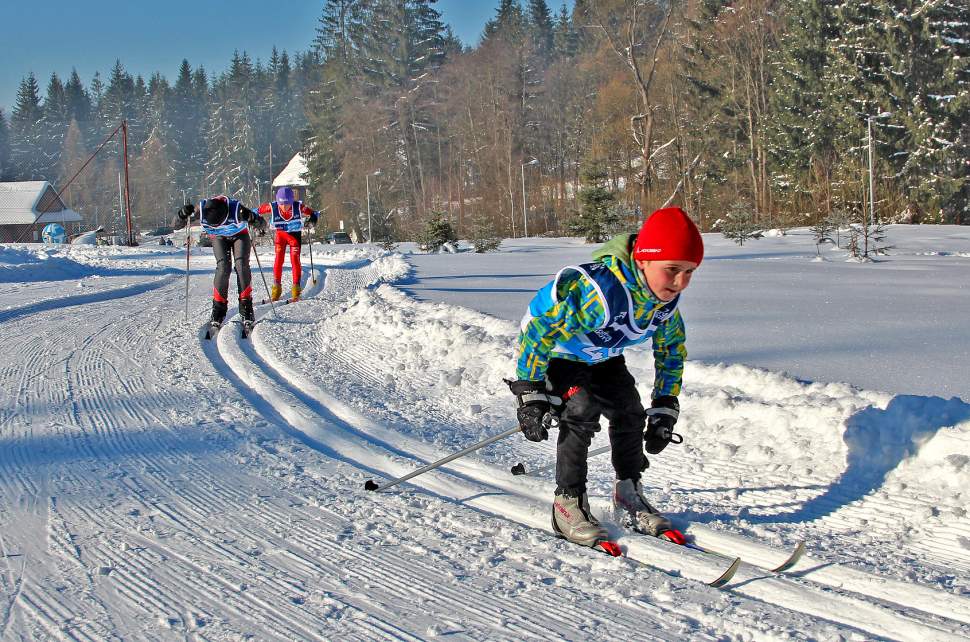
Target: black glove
(257, 221)
(535, 411)
(186, 211)
(661, 419)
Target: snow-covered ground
(154, 485)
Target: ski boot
(572, 520)
(218, 316)
(248, 316)
(297, 291)
(275, 291)
(632, 509)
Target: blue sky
(48, 36)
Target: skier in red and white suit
(286, 217)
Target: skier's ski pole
(519, 468)
(313, 272)
(188, 245)
(265, 285)
(370, 485)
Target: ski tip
(370, 485)
(792, 559)
(727, 575)
(609, 547)
(518, 469)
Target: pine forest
(557, 121)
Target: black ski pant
(608, 389)
(238, 247)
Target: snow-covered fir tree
(27, 133)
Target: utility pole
(525, 209)
(124, 143)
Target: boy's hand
(661, 419)
(186, 211)
(535, 408)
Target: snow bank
(33, 262)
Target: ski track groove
(486, 618)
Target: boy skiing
(227, 223)
(287, 219)
(570, 364)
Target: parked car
(338, 238)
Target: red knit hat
(669, 235)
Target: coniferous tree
(53, 125)
(800, 127)
(564, 37)
(78, 100)
(597, 215)
(5, 167)
(27, 137)
(541, 27)
(739, 224)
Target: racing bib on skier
(291, 221)
(620, 331)
(230, 226)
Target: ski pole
(188, 245)
(313, 272)
(519, 468)
(370, 485)
(268, 295)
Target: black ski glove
(661, 419)
(186, 211)
(535, 411)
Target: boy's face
(667, 278)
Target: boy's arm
(264, 208)
(669, 355)
(309, 213)
(251, 217)
(576, 309)
(182, 216)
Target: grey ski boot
(632, 509)
(572, 520)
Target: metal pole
(872, 191)
(121, 205)
(313, 271)
(124, 141)
(188, 245)
(370, 233)
(265, 285)
(370, 485)
(525, 211)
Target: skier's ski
(791, 561)
(246, 328)
(213, 330)
(278, 301)
(612, 548)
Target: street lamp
(370, 228)
(525, 211)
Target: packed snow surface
(156, 485)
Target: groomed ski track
(863, 601)
(174, 488)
